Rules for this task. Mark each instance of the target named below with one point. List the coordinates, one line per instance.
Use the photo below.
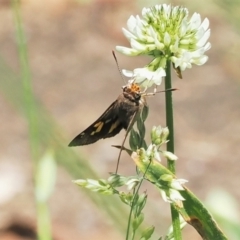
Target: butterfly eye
(137, 96)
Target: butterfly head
(132, 91)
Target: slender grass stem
(135, 193)
(27, 93)
(31, 111)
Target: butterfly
(121, 114)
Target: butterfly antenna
(115, 57)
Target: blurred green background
(74, 79)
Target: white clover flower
(175, 195)
(166, 33)
(177, 183)
(153, 153)
(170, 190)
(172, 196)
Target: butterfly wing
(107, 125)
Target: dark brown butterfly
(119, 115)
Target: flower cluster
(168, 185)
(165, 33)
(148, 160)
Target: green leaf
(141, 129)
(134, 140)
(144, 114)
(192, 209)
(144, 145)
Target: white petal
(167, 39)
(175, 195)
(202, 41)
(164, 196)
(131, 23)
(205, 24)
(157, 78)
(145, 11)
(155, 36)
(157, 156)
(201, 60)
(170, 155)
(174, 48)
(177, 184)
(207, 46)
(127, 51)
(195, 21)
(149, 150)
(128, 73)
(128, 34)
(138, 46)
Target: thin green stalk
(129, 219)
(169, 116)
(29, 101)
(30, 108)
(44, 224)
(133, 202)
(170, 145)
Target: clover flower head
(166, 33)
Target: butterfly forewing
(105, 126)
(118, 116)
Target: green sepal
(137, 221)
(138, 207)
(147, 233)
(126, 198)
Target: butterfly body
(119, 115)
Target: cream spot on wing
(114, 125)
(99, 126)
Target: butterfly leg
(124, 139)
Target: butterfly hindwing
(107, 125)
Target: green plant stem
(129, 218)
(169, 116)
(44, 223)
(27, 93)
(170, 145)
(135, 193)
(30, 108)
